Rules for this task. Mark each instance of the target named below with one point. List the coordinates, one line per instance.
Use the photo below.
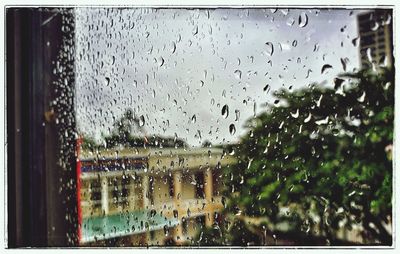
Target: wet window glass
(247, 126)
(233, 126)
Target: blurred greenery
(122, 134)
(235, 233)
(317, 161)
(320, 159)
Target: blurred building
(375, 38)
(143, 197)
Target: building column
(177, 183)
(208, 189)
(145, 189)
(104, 195)
(132, 195)
(388, 50)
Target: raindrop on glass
(107, 81)
(237, 115)
(232, 129)
(308, 118)
(325, 68)
(195, 30)
(173, 47)
(362, 97)
(375, 26)
(322, 121)
(355, 41)
(161, 61)
(303, 19)
(225, 111)
(344, 62)
(296, 114)
(269, 48)
(238, 74)
(267, 88)
(141, 121)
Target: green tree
(322, 152)
(126, 130)
(89, 143)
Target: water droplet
(356, 41)
(303, 19)
(195, 30)
(325, 68)
(362, 97)
(232, 129)
(308, 118)
(308, 73)
(344, 62)
(369, 54)
(161, 61)
(375, 26)
(225, 111)
(338, 82)
(173, 47)
(386, 86)
(237, 115)
(241, 180)
(238, 74)
(267, 88)
(322, 121)
(388, 20)
(141, 121)
(269, 48)
(166, 230)
(296, 114)
(319, 100)
(107, 81)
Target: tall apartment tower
(376, 38)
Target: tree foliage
(128, 131)
(322, 152)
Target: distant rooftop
(115, 153)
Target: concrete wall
(162, 167)
(161, 190)
(188, 189)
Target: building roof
(115, 153)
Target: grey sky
(171, 64)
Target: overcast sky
(177, 68)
